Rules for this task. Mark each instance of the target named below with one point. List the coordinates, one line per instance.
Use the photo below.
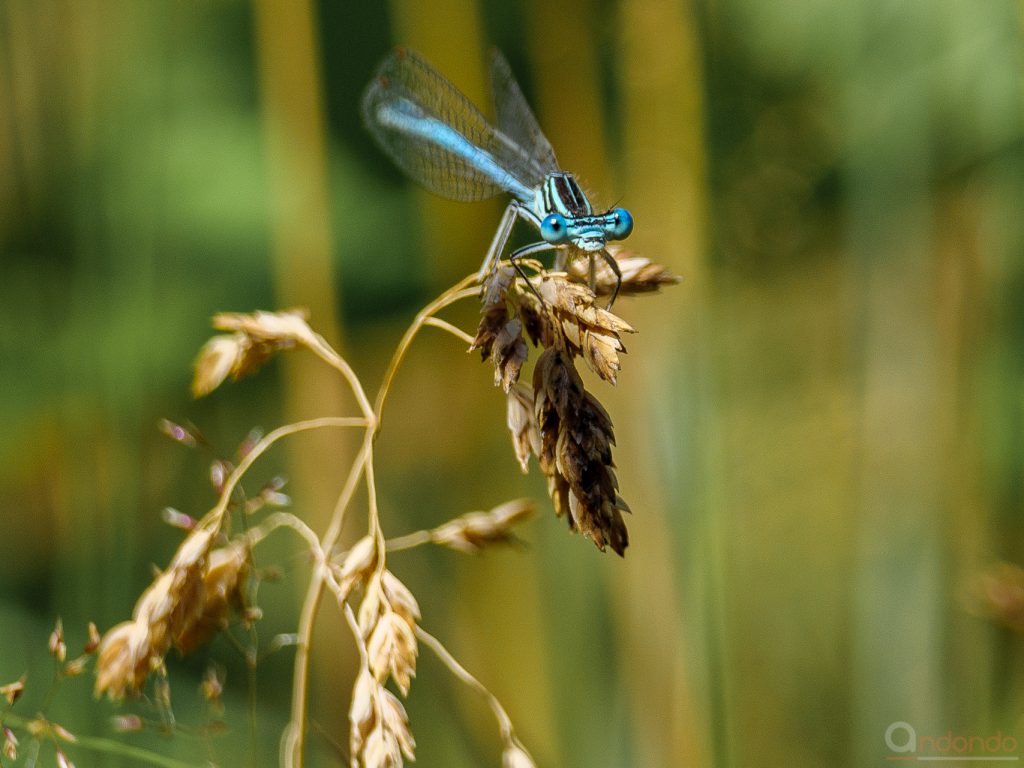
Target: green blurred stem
(106, 746)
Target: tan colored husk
(471, 532)
(639, 274)
(255, 339)
(223, 591)
(522, 424)
(183, 607)
(557, 420)
(575, 456)
(387, 624)
(379, 735)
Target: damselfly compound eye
(622, 224)
(554, 230)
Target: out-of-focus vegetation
(820, 430)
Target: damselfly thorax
(442, 141)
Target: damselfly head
(588, 233)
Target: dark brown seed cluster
(557, 419)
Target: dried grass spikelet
(572, 321)
(379, 726)
(639, 274)
(557, 419)
(224, 582)
(522, 424)
(575, 456)
(184, 606)
(359, 563)
(471, 532)
(253, 340)
(387, 623)
(500, 335)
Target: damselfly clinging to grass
(436, 135)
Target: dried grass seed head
(379, 726)
(255, 338)
(470, 533)
(387, 622)
(184, 606)
(522, 424)
(576, 439)
(639, 274)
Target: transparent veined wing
(516, 119)
(436, 135)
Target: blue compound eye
(622, 224)
(554, 230)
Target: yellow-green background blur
(820, 430)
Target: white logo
(910, 745)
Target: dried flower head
(557, 419)
(522, 424)
(379, 726)
(576, 457)
(472, 532)
(255, 338)
(387, 623)
(183, 607)
(639, 274)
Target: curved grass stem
(293, 740)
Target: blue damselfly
(436, 135)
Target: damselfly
(436, 135)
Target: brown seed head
(387, 622)
(639, 274)
(255, 338)
(522, 424)
(470, 533)
(576, 440)
(166, 613)
(379, 726)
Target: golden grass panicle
(379, 726)
(387, 624)
(224, 582)
(557, 419)
(359, 563)
(471, 532)
(639, 274)
(499, 335)
(255, 338)
(183, 607)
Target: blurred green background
(820, 430)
